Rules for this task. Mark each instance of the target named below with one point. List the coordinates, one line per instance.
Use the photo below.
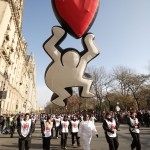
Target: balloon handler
(25, 130)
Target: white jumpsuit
(86, 129)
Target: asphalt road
(7, 143)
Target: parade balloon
(76, 16)
(68, 66)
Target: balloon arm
(92, 51)
(51, 43)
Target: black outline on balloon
(65, 24)
(63, 51)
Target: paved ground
(7, 143)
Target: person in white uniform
(86, 129)
(46, 132)
(74, 125)
(56, 125)
(134, 131)
(64, 126)
(25, 130)
(109, 126)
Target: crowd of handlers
(81, 126)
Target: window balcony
(5, 55)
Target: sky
(121, 29)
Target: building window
(7, 37)
(16, 107)
(8, 27)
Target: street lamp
(3, 93)
(117, 107)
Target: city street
(7, 143)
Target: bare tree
(100, 82)
(135, 84)
(120, 77)
(129, 83)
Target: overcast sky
(121, 29)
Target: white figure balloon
(68, 66)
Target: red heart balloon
(76, 16)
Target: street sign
(3, 94)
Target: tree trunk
(137, 102)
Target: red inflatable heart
(76, 16)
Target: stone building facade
(17, 69)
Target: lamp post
(117, 107)
(3, 93)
